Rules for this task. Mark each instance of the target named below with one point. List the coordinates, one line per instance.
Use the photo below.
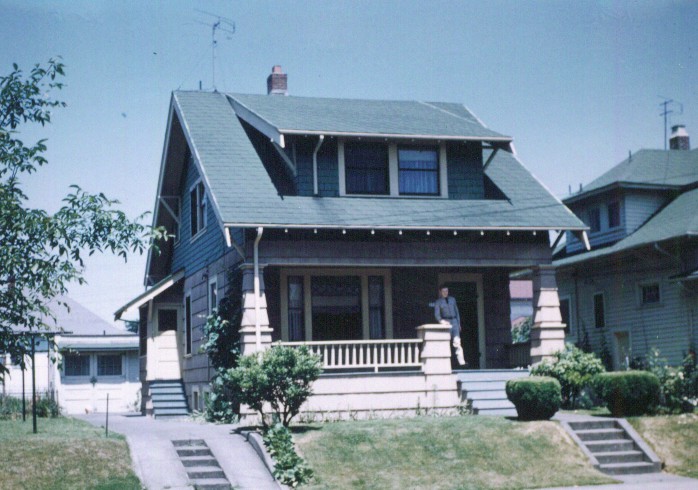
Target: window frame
(121, 365)
(437, 171)
(87, 357)
(603, 309)
(198, 208)
(212, 304)
(641, 294)
(393, 166)
(386, 170)
(363, 273)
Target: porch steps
(613, 446)
(485, 390)
(168, 398)
(201, 465)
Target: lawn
(443, 453)
(675, 440)
(66, 453)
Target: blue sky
(576, 83)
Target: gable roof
(647, 168)
(244, 196)
(80, 321)
(677, 219)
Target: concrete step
(491, 375)
(496, 403)
(205, 472)
(610, 445)
(600, 434)
(470, 386)
(192, 461)
(188, 442)
(619, 457)
(166, 390)
(593, 424)
(483, 395)
(211, 484)
(500, 412)
(157, 411)
(628, 468)
(160, 405)
(185, 452)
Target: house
(344, 217)
(89, 360)
(637, 289)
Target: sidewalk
(157, 464)
(650, 481)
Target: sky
(577, 84)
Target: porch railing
(520, 355)
(374, 354)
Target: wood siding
(641, 206)
(669, 326)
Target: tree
(41, 254)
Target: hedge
(535, 397)
(628, 393)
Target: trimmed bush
(536, 397)
(628, 393)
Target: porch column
(248, 329)
(548, 331)
(441, 385)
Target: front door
(167, 343)
(465, 294)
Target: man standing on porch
(446, 312)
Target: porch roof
(151, 293)
(244, 196)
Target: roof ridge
(429, 104)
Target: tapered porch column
(248, 325)
(548, 331)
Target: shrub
(536, 397)
(282, 377)
(678, 387)
(574, 369)
(289, 468)
(628, 393)
(46, 406)
(10, 407)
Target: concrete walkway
(157, 464)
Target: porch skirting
(377, 395)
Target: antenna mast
(666, 112)
(222, 24)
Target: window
(195, 397)
(212, 295)
(599, 310)
(167, 320)
(197, 196)
(76, 365)
(418, 171)
(336, 307)
(565, 313)
(614, 214)
(650, 294)
(376, 307)
(109, 365)
(187, 325)
(143, 331)
(595, 219)
(296, 306)
(366, 168)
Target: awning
(151, 293)
(98, 342)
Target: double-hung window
(418, 169)
(197, 197)
(366, 168)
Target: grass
(444, 453)
(66, 453)
(675, 440)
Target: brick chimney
(679, 138)
(277, 82)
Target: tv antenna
(666, 111)
(218, 24)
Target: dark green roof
(652, 168)
(409, 118)
(244, 195)
(677, 219)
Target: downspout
(257, 324)
(317, 148)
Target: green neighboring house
(637, 288)
(344, 216)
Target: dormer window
(197, 196)
(418, 170)
(614, 214)
(595, 220)
(366, 168)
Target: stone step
(491, 375)
(482, 386)
(593, 424)
(500, 412)
(188, 442)
(619, 457)
(204, 472)
(483, 395)
(194, 451)
(212, 484)
(610, 445)
(191, 461)
(628, 468)
(600, 434)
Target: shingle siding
(465, 175)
